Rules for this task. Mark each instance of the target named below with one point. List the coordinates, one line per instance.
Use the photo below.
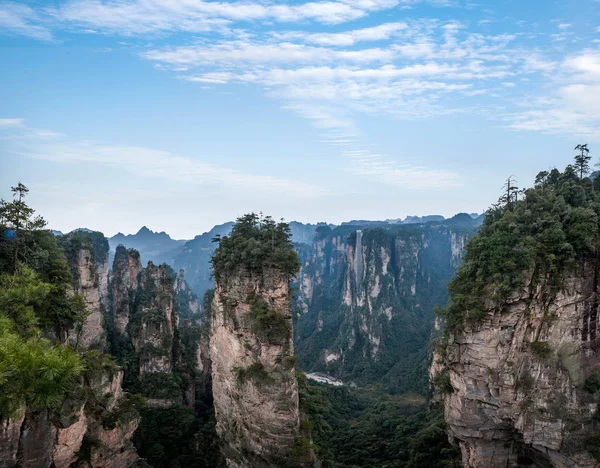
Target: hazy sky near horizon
(182, 114)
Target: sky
(183, 114)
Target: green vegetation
(35, 371)
(255, 372)
(255, 243)
(94, 242)
(353, 428)
(268, 324)
(419, 256)
(592, 383)
(541, 348)
(160, 385)
(541, 236)
(178, 437)
(442, 383)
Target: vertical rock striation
(367, 298)
(87, 255)
(518, 364)
(253, 373)
(251, 348)
(124, 282)
(517, 380)
(95, 422)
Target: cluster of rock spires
(83, 431)
(512, 385)
(133, 313)
(95, 423)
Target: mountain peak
(144, 230)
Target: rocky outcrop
(367, 298)
(145, 322)
(253, 370)
(95, 422)
(124, 281)
(152, 325)
(92, 428)
(516, 386)
(87, 255)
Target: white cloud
(242, 53)
(389, 172)
(164, 165)
(574, 104)
(147, 16)
(16, 18)
(376, 33)
(4, 123)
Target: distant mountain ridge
(194, 255)
(157, 247)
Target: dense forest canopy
(543, 231)
(255, 242)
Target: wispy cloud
(573, 107)
(149, 162)
(146, 16)
(16, 18)
(5, 123)
(376, 33)
(236, 53)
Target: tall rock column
(253, 373)
(87, 255)
(253, 368)
(126, 268)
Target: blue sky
(181, 114)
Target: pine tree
(582, 161)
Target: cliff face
(124, 281)
(90, 267)
(145, 323)
(95, 422)
(154, 320)
(367, 298)
(91, 431)
(253, 371)
(518, 379)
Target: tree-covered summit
(255, 242)
(544, 231)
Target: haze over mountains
(193, 255)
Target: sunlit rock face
(518, 393)
(253, 373)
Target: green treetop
(551, 229)
(255, 242)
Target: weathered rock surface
(56, 438)
(253, 376)
(517, 378)
(91, 281)
(124, 280)
(367, 298)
